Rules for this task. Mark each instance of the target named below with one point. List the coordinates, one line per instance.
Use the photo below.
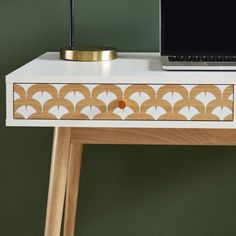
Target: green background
(125, 190)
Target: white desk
(135, 77)
(126, 101)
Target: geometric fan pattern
(143, 102)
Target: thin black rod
(72, 24)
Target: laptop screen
(198, 27)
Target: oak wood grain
(224, 137)
(57, 183)
(72, 188)
(69, 142)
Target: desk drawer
(124, 102)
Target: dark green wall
(125, 190)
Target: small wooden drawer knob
(122, 104)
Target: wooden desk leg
(72, 188)
(57, 183)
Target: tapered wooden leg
(72, 188)
(57, 183)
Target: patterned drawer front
(139, 102)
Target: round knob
(122, 104)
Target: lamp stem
(72, 24)
(84, 53)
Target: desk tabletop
(139, 68)
(132, 91)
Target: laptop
(198, 34)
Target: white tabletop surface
(144, 68)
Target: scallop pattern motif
(143, 102)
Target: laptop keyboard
(202, 58)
